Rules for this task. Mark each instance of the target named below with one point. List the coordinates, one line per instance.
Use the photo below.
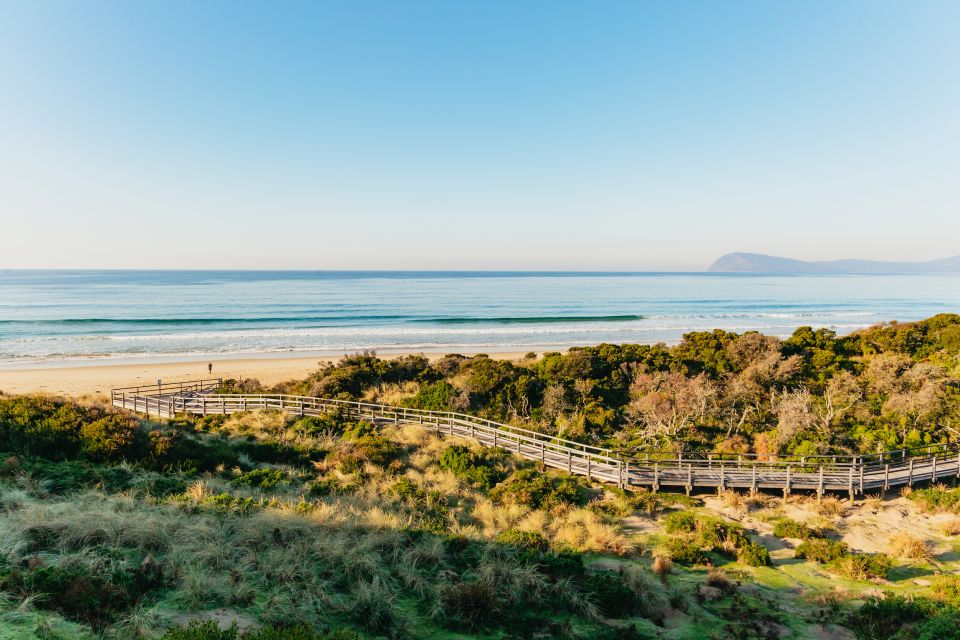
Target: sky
(476, 135)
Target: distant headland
(760, 263)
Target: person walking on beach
(210, 368)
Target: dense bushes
(754, 555)
(45, 427)
(821, 550)
(361, 443)
(694, 534)
(78, 594)
(683, 551)
(787, 528)
(890, 386)
(856, 566)
(529, 487)
(482, 469)
(210, 631)
(937, 498)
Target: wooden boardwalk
(850, 474)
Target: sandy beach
(97, 380)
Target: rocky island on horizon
(739, 262)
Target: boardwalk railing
(853, 474)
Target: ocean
(51, 317)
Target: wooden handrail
(855, 474)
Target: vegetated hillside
(739, 262)
(305, 528)
(887, 387)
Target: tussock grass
(951, 527)
(909, 547)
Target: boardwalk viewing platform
(688, 471)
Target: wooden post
(656, 477)
(850, 485)
(910, 477)
(620, 473)
(820, 484)
(689, 478)
(543, 453)
(934, 469)
(886, 477)
(589, 461)
(786, 486)
(569, 461)
(753, 479)
(861, 476)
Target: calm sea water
(48, 316)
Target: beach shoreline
(95, 379)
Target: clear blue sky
(580, 135)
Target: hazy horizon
(505, 136)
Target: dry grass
(584, 530)
(874, 503)
(745, 501)
(951, 527)
(909, 547)
(662, 565)
(829, 506)
(719, 580)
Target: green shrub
(74, 475)
(323, 487)
(530, 540)
(882, 618)
(262, 478)
(77, 593)
(561, 564)
(754, 555)
(945, 625)
(937, 499)
(608, 592)
(529, 487)
(860, 566)
(113, 438)
(362, 444)
(273, 452)
(683, 551)
(171, 450)
(720, 535)
(325, 424)
(437, 396)
(33, 425)
(209, 630)
(428, 508)
(680, 522)
(478, 468)
(821, 550)
(227, 503)
(788, 528)
(947, 590)
(646, 501)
